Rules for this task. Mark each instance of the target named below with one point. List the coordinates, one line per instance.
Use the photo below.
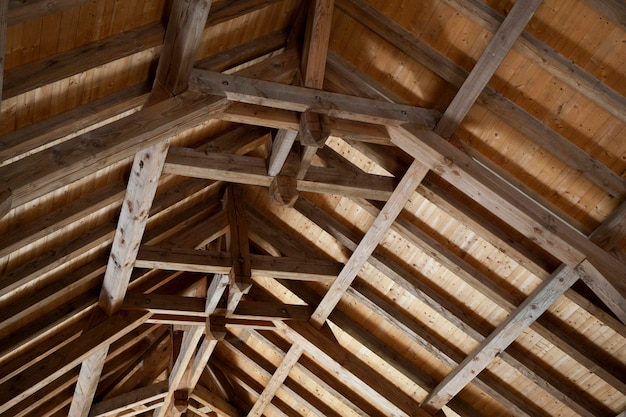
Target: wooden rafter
(530, 126)
(181, 43)
(486, 66)
(300, 99)
(534, 306)
(515, 207)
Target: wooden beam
(281, 145)
(276, 381)
(45, 71)
(350, 370)
(38, 174)
(507, 202)
(604, 289)
(316, 44)
(551, 60)
(182, 38)
(142, 184)
(68, 357)
(516, 357)
(301, 99)
(127, 401)
(528, 125)
(54, 129)
(487, 64)
(251, 171)
(534, 306)
(215, 402)
(413, 176)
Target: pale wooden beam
(191, 260)
(251, 171)
(487, 64)
(276, 381)
(126, 401)
(509, 203)
(281, 145)
(534, 306)
(350, 370)
(413, 176)
(300, 99)
(68, 357)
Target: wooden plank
(413, 176)
(510, 204)
(6, 201)
(47, 370)
(38, 174)
(244, 52)
(349, 369)
(614, 10)
(4, 18)
(165, 304)
(486, 66)
(60, 218)
(260, 310)
(276, 381)
(535, 305)
(53, 129)
(38, 73)
(528, 125)
(300, 99)
(128, 400)
(237, 240)
(25, 10)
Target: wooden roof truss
(175, 318)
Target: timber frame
(312, 208)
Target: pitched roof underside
(313, 208)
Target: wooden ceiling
(313, 208)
